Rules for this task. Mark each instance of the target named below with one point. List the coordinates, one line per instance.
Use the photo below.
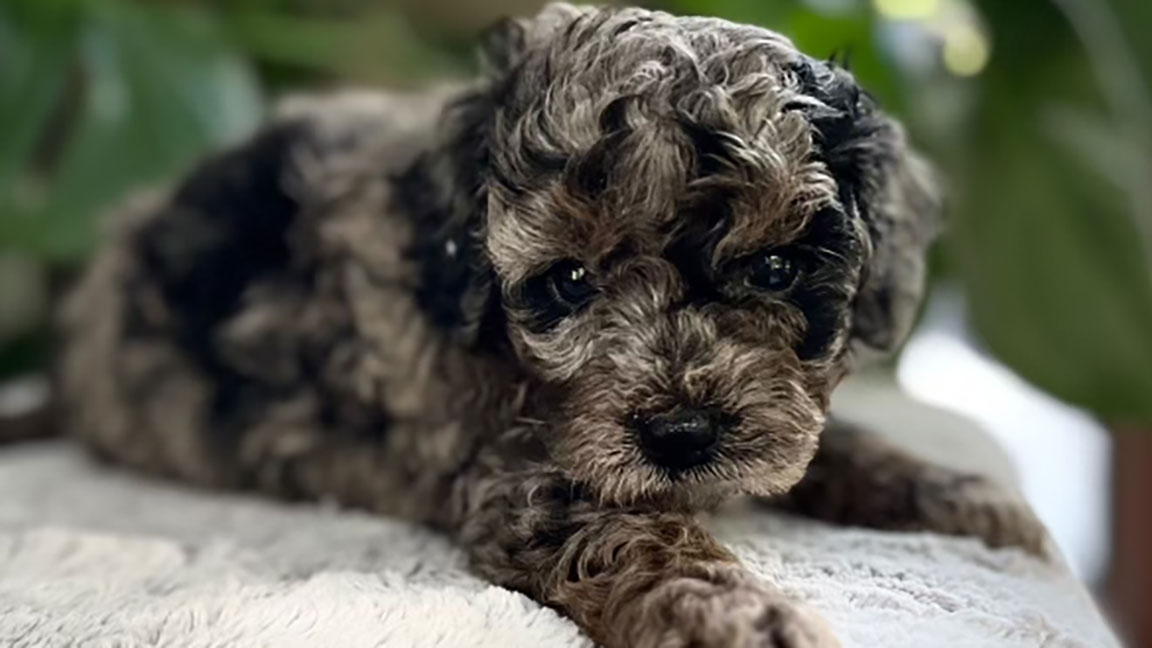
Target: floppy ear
(445, 193)
(887, 187)
(902, 215)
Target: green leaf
(33, 65)
(1046, 228)
(1093, 140)
(1058, 280)
(376, 46)
(34, 57)
(161, 88)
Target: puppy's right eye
(558, 292)
(570, 284)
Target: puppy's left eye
(773, 271)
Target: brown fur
(349, 307)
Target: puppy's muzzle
(684, 438)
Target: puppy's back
(212, 308)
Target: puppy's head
(684, 228)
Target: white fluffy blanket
(93, 557)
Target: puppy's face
(691, 225)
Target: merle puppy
(554, 313)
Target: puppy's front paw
(976, 506)
(736, 613)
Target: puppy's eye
(569, 284)
(556, 293)
(773, 271)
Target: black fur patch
(823, 309)
(445, 194)
(225, 228)
(850, 129)
(831, 251)
(705, 218)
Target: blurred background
(1038, 112)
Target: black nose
(683, 438)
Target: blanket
(93, 556)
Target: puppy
(553, 313)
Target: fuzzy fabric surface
(92, 556)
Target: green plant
(99, 98)
(1052, 230)
(102, 97)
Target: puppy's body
(258, 327)
(552, 313)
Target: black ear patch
(883, 184)
(852, 136)
(444, 193)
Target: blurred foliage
(99, 97)
(1053, 203)
(102, 96)
(1047, 150)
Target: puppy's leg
(628, 578)
(859, 479)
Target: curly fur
(347, 307)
